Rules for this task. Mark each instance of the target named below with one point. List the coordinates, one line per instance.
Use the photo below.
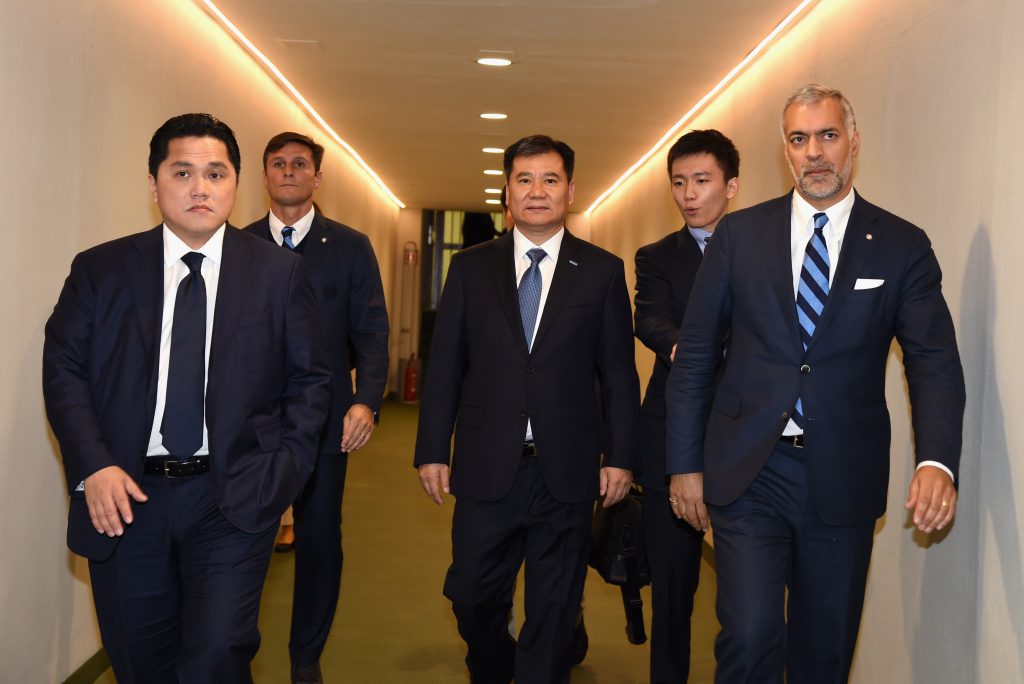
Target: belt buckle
(798, 441)
(167, 468)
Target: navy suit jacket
(267, 385)
(665, 271)
(350, 298)
(484, 384)
(746, 285)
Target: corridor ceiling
(397, 79)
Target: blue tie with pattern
(286, 237)
(529, 293)
(812, 292)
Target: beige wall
(938, 92)
(85, 85)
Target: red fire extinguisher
(412, 370)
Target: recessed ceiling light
(493, 172)
(493, 115)
(492, 150)
(492, 201)
(494, 58)
(492, 191)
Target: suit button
(785, 415)
(805, 369)
(522, 412)
(530, 369)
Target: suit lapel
(566, 271)
(145, 268)
(231, 293)
(855, 252)
(775, 245)
(314, 245)
(503, 276)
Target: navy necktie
(286, 237)
(182, 426)
(812, 292)
(529, 293)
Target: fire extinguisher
(412, 370)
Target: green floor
(393, 625)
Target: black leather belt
(793, 440)
(173, 467)
(529, 449)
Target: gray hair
(812, 93)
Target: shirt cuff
(937, 465)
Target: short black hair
(532, 145)
(282, 139)
(712, 142)
(192, 126)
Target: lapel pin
(323, 239)
(869, 236)
(573, 262)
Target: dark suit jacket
(350, 297)
(747, 284)
(267, 387)
(484, 383)
(665, 271)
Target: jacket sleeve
(368, 328)
(620, 385)
(654, 315)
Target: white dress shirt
(801, 230)
(522, 245)
(175, 271)
(301, 227)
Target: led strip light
(262, 59)
(729, 77)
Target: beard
(824, 186)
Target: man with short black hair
(703, 171)
(186, 380)
(526, 327)
(350, 300)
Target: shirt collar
(838, 214)
(301, 227)
(699, 234)
(522, 244)
(174, 248)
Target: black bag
(618, 554)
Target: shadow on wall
(978, 511)
(997, 511)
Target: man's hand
(357, 427)
(615, 484)
(932, 498)
(686, 496)
(108, 494)
(434, 478)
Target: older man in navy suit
(790, 449)
(186, 380)
(528, 325)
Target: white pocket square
(867, 283)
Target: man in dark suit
(186, 380)
(350, 297)
(703, 169)
(516, 370)
(791, 448)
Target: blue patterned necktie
(812, 292)
(529, 293)
(182, 427)
(286, 237)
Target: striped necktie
(286, 237)
(812, 292)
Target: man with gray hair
(790, 449)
